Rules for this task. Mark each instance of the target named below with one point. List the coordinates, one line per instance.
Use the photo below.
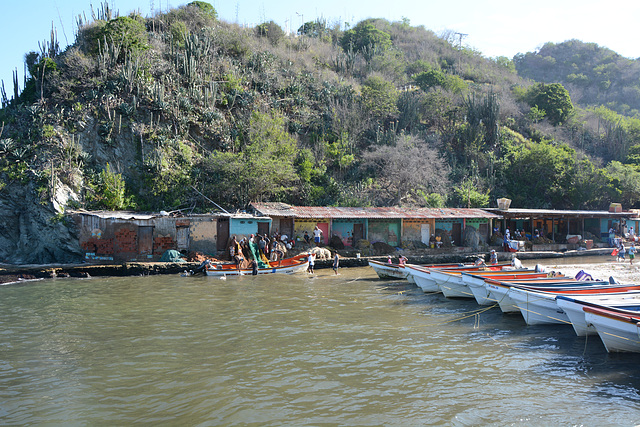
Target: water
(281, 350)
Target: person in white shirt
(317, 235)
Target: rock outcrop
(33, 232)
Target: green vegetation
(182, 104)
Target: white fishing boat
(618, 329)
(450, 280)
(573, 306)
(538, 308)
(476, 283)
(388, 270)
(422, 277)
(499, 291)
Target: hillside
(181, 110)
(594, 75)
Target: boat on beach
(296, 264)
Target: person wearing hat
(493, 259)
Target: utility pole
(460, 37)
(301, 15)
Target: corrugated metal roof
(330, 212)
(123, 215)
(117, 214)
(561, 213)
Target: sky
(493, 27)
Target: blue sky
(494, 27)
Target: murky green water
(281, 350)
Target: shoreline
(21, 273)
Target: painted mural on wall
(384, 231)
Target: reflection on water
(282, 350)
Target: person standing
(632, 253)
(493, 258)
(235, 250)
(312, 261)
(336, 262)
(317, 235)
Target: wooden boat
(618, 329)
(508, 303)
(540, 307)
(499, 290)
(296, 264)
(573, 306)
(421, 275)
(449, 281)
(476, 282)
(388, 271)
(405, 271)
(410, 269)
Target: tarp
(172, 255)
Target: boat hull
(388, 271)
(538, 308)
(574, 308)
(293, 265)
(618, 333)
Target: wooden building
(558, 224)
(391, 225)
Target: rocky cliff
(33, 232)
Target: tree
(553, 99)
(467, 195)
(110, 192)
(406, 172)
(365, 38)
(315, 29)
(205, 8)
(272, 31)
(626, 179)
(263, 168)
(379, 97)
(540, 175)
(430, 78)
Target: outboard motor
(516, 263)
(201, 267)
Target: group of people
(264, 247)
(621, 251)
(402, 260)
(312, 262)
(317, 236)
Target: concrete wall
(412, 230)
(387, 231)
(344, 229)
(203, 235)
(302, 225)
